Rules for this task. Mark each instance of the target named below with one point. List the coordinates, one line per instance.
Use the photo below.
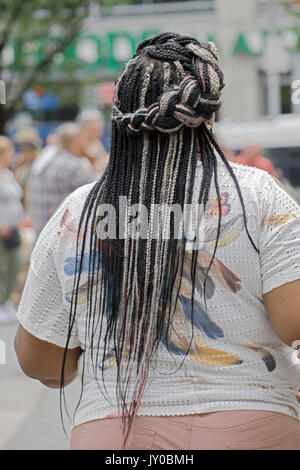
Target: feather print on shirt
(277, 220)
(176, 338)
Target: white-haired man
(92, 128)
(57, 172)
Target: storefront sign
(89, 52)
(255, 43)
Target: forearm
(52, 379)
(43, 361)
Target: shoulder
(41, 163)
(77, 198)
(11, 179)
(8, 174)
(268, 193)
(62, 228)
(74, 203)
(265, 160)
(266, 164)
(249, 177)
(69, 159)
(259, 189)
(76, 170)
(61, 161)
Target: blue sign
(33, 101)
(49, 101)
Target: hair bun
(195, 99)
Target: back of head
(5, 144)
(252, 149)
(66, 134)
(172, 81)
(28, 138)
(89, 115)
(91, 123)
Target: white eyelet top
(236, 361)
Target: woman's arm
(283, 306)
(43, 361)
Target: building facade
(259, 43)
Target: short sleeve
(279, 241)
(42, 310)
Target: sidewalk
(29, 412)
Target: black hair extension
(171, 86)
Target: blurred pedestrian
(230, 153)
(11, 213)
(57, 172)
(51, 138)
(182, 337)
(252, 156)
(92, 127)
(29, 147)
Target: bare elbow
(43, 361)
(51, 383)
(29, 371)
(22, 363)
(25, 365)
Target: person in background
(178, 346)
(58, 171)
(30, 145)
(230, 153)
(252, 156)
(51, 138)
(92, 127)
(11, 213)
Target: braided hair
(163, 99)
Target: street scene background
(58, 64)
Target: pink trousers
(236, 430)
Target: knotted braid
(166, 92)
(195, 99)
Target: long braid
(166, 92)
